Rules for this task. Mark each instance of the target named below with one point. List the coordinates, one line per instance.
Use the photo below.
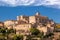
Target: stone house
(22, 28)
(10, 23)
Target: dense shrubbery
(18, 37)
(4, 34)
(34, 31)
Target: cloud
(14, 3)
(51, 3)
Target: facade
(32, 19)
(10, 23)
(24, 23)
(22, 28)
(22, 19)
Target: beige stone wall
(9, 23)
(32, 19)
(42, 29)
(23, 18)
(46, 29)
(51, 26)
(22, 28)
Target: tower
(37, 14)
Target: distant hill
(58, 26)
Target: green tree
(18, 37)
(29, 37)
(2, 37)
(41, 35)
(11, 31)
(49, 35)
(34, 31)
(3, 30)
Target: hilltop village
(23, 24)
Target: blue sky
(10, 9)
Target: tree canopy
(34, 31)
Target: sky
(10, 9)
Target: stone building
(10, 23)
(22, 28)
(32, 19)
(38, 18)
(43, 23)
(24, 23)
(22, 19)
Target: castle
(24, 23)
